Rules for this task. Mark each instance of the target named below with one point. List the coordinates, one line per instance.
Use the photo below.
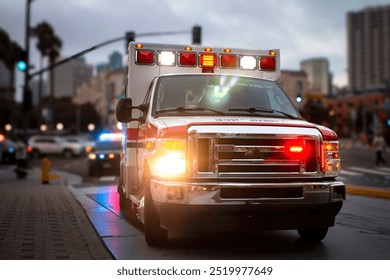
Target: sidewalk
(44, 221)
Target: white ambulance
(212, 143)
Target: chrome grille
(252, 156)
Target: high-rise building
(319, 78)
(369, 49)
(69, 76)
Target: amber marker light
(271, 52)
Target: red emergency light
(145, 57)
(228, 61)
(187, 59)
(267, 63)
(295, 149)
(207, 60)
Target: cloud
(300, 28)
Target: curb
(368, 191)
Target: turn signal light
(207, 60)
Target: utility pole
(26, 89)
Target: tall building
(69, 76)
(319, 78)
(369, 48)
(115, 61)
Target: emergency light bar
(206, 59)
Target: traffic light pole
(102, 45)
(26, 92)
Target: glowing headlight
(92, 156)
(330, 158)
(169, 159)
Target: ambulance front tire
(313, 234)
(155, 235)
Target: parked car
(79, 144)
(105, 156)
(50, 145)
(7, 151)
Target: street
(362, 230)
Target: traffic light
(21, 63)
(196, 35)
(130, 37)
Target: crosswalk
(350, 171)
(357, 171)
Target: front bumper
(237, 206)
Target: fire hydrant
(45, 170)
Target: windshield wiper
(264, 110)
(189, 108)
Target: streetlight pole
(27, 48)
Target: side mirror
(124, 110)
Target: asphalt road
(362, 230)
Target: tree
(48, 45)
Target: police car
(105, 156)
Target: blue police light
(388, 122)
(21, 65)
(101, 156)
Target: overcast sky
(301, 29)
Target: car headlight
(92, 156)
(169, 158)
(330, 164)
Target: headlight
(330, 164)
(169, 158)
(92, 156)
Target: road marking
(386, 169)
(350, 173)
(107, 178)
(370, 171)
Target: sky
(301, 29)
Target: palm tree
(9, 54)
(48, 45)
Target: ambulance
(212, 143)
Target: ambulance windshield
(220, 94)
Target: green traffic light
(21, 65)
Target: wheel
(68, 153)
(35, 154)
(155, 235)
(313, 235)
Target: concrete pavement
(44, 221)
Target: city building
(369, 49)
(319, 78)
(115, 62)
(296, 85)
(103, 92)
(69, 76)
